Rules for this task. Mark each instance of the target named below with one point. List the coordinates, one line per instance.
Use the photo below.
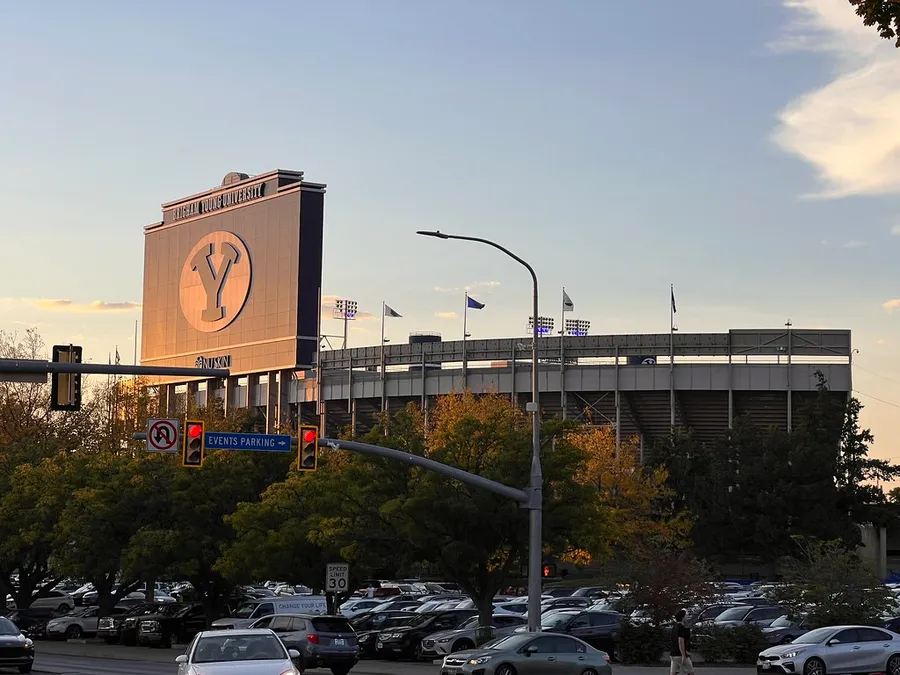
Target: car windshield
(781, 622)
(733, 614)
(509, 643)
(218, 648)
(815, 637)
(7, 627)
(554, 619)
(245, 610)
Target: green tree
(475, 537)
(884, 15)
(832, 586)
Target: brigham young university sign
(215, 281)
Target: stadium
(233, 275)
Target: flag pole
(465, 334)
(383, 363)
(672, 356)
(562, 353)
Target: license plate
(339, 642)
(767, 665)
(379, 645)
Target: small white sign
(163, 435)
(337, 577)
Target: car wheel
(505, 669)
(589, 671)
(814, 666)
(893, 665)
(786, 641)
(340, 670)
(64, 608)
(25, 669)
(462, 645)
(74, 632)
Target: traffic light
(65, 388)
(548, 571)
(194, 450)
(308, 450)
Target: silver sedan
(249, 652)
(835, 650)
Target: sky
(747, 152)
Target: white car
(57, 600)
(353, 608)
(255, 651)
(76, 625)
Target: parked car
(529, 653)
(402, 642)
(353, 608)
(17, 650)
(228, 652)
(710, 612)
(598, 629)
(836, 650)
(366, 638)
(127, 624)
(61, 602)
(783, 630)
(560, 603)
(740, 616)
(462, 638)
(253, 610)
(74, 626)
(33, 621)
(321, 641)
(172, 624)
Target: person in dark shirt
(681, 647)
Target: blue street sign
(221, 440)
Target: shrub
(721, 644)
(642, 643)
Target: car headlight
(363, 638)
(480, 660)
(29, 644)
(444, 640)
(792, 654)
(290, 672)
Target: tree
(832, 586)
(636, 500)
(883, 14)
(664, 581)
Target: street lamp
(535, 504)
(346, 311)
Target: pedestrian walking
(681, 647)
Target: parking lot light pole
(535, 502)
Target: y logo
(215, 281)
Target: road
(87, 665)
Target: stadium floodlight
(577, 327)
(544, 325)
(345, 310)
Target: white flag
(392, 313)
(568, 305)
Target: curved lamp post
(535, 504)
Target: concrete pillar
(271, 402)
(284, 404)
(171, 402)
(323, 418)
(252, 396)
(230, 394)
(193, 388)
(882, 553)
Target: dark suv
(598, 628)
(173, 623)
(402, 641)
(323, 641)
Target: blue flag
(472, 303)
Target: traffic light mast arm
(430, 465)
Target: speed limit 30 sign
(337, 577)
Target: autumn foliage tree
(636, 500)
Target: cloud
(854, 243)
(849, 129)
(447, 315)
(96, 306)
(471, 287)
(891, 304)
(328, 302)
(882, 343)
